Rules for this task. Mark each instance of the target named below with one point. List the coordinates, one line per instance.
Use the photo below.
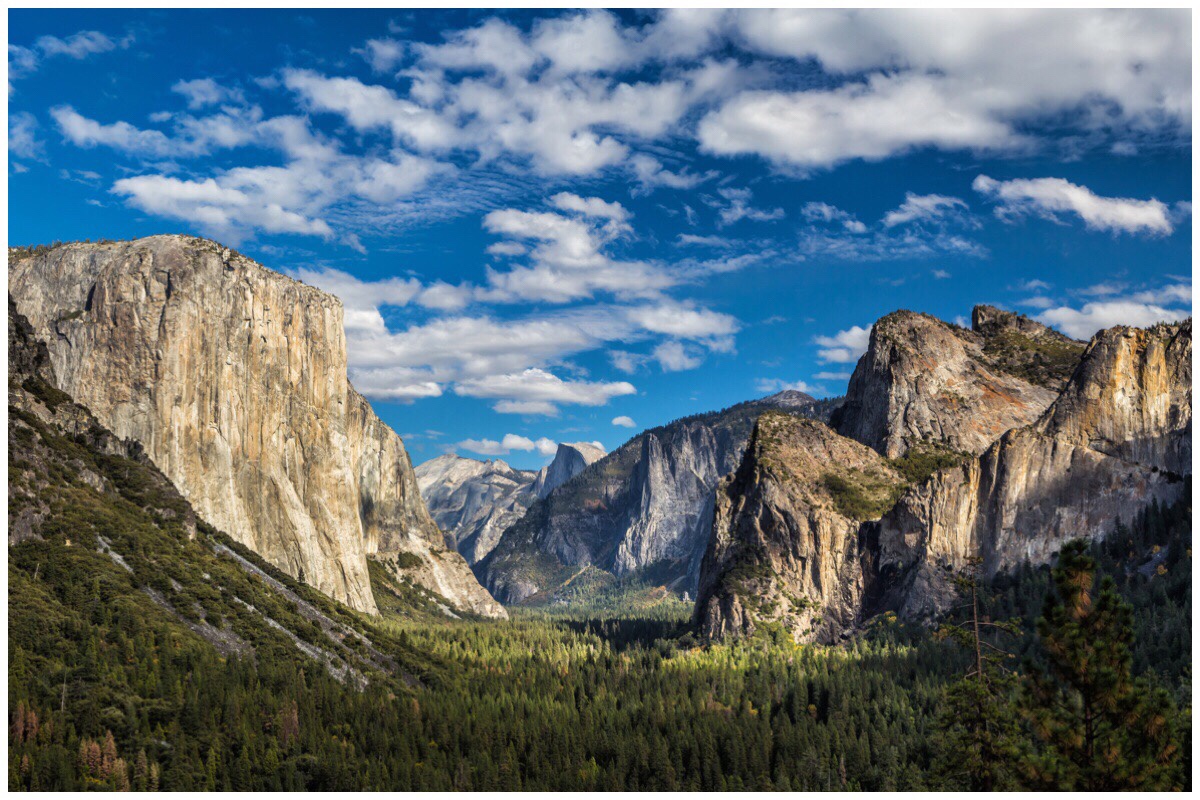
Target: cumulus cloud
(844, 347)
(1083, 323)
(510, 442)
(536, 391)
(1110, 69)
(1050, 197)
(675, 356)
(382, 54)
(624, 422)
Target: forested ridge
(559, 703)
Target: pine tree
(1101, 729)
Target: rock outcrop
(784, 545)
(1117, 438)
(924, 381)
(472, 501)
(233, 379)
(1132, 398)
(645, 508)
(570, 460)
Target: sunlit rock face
(1116, 439)
(474, 501)
(785, 548)
(925, 381)
(646, 508)
(784, 545)
(233, 379)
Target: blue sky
(575, 225)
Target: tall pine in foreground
(981, 739)
(1099, 728)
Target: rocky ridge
(925, 381)
(784, 544)
(645, 508)
(232, 377)
(1116, 438)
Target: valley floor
(117, 695)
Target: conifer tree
(1100, 728)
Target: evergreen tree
(980, 737)
(1101, 729)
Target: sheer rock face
(1117, 438)
(1132, 398)
(784, 545)
(923, 381)
(570, 460)
(233, 379)
(472, 501)
(647, 506)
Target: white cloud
(624, 422)
(1049, 197)
(778, 385)
(983, 71)
(870, 121)
(832, 376)
(684, 321)
(24, 60)
(203, 92)
(568, 260)
(22, 135)
(844, 347)
(651, 175)
(625, 361)
(510, 442)
(1037, 301)
(923, 207)
(1082, 323)
(719, 242)
(734, 205)
(536, 391)
(823, 212)
(382, 54)
(674, 356)
(941, 274)
(87, 133)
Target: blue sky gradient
(542, 222)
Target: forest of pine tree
(146, 655)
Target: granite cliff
(232, 377)
(1116, 438)
(925, 381)
(645, 508)
(474, 502)
(784, 545)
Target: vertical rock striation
(645, 508)
(233, 379)
(1117, 438)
